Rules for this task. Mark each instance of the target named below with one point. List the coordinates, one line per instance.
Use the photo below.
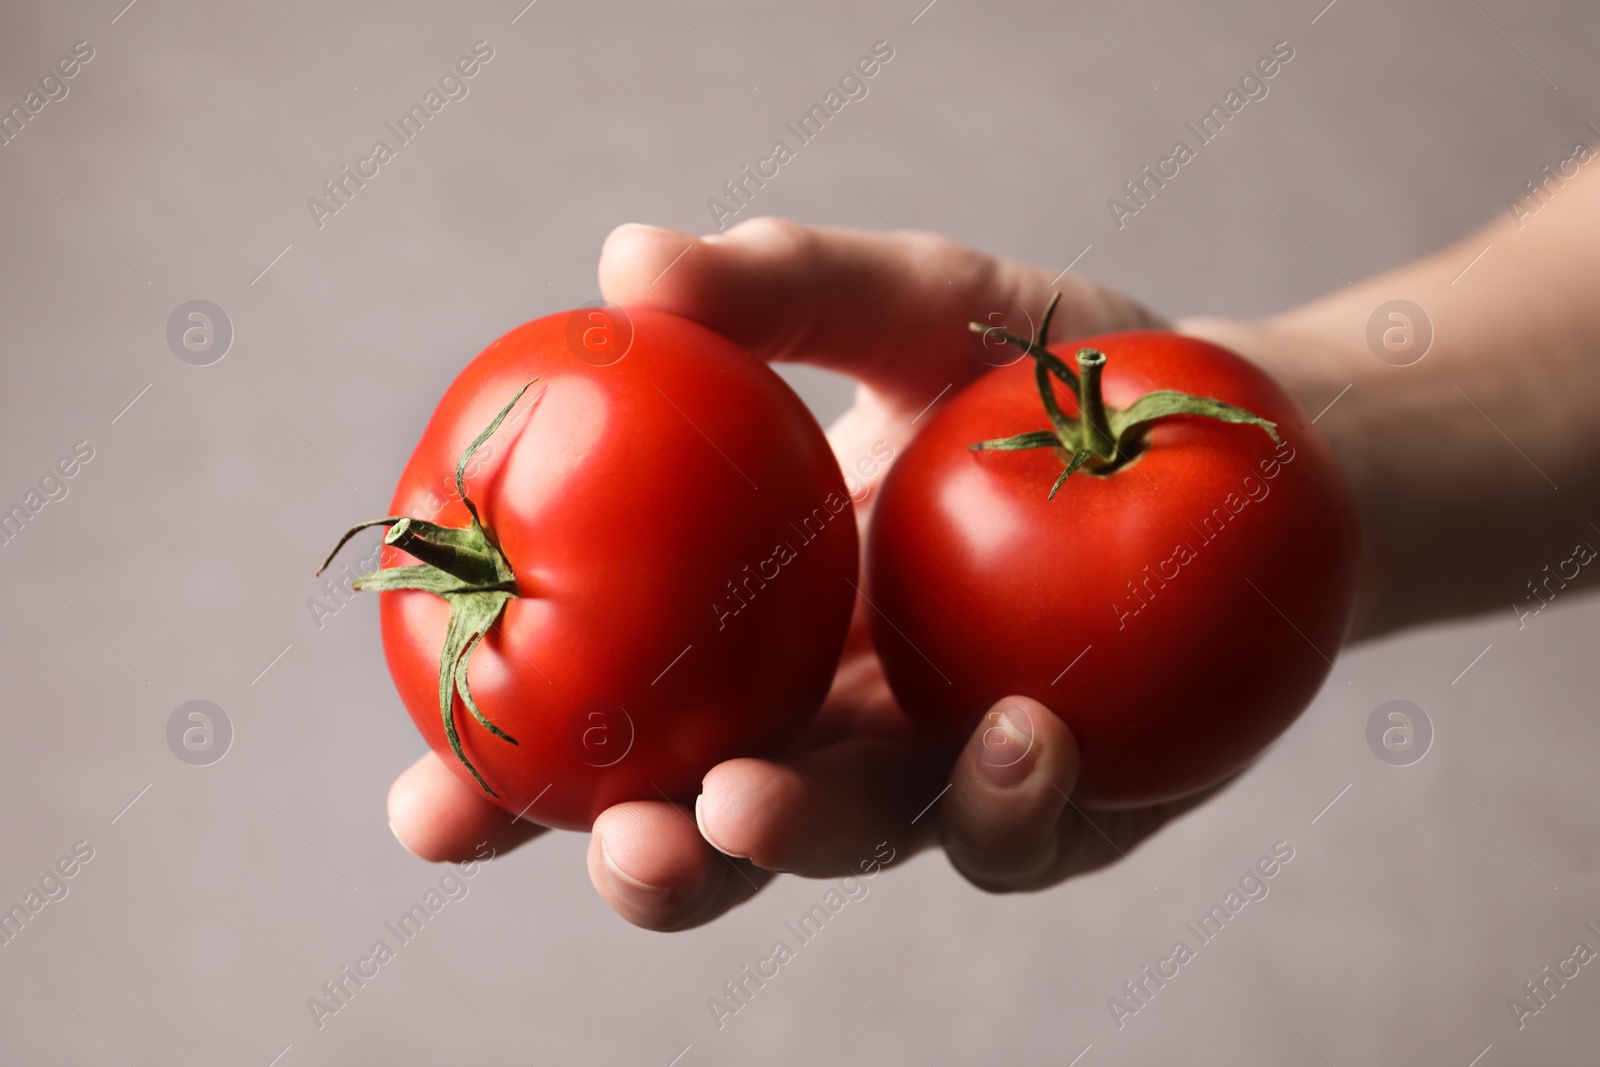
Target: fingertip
(756, 283)
(437, 817)
(402, 840)
(635, 256)
(414, 818)
(647, 862)
(1019, 739)
(1008, 789)
(632, 237)
(700, 809)
(635, 892)
(653, 841)
(746, 810)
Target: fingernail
(630, 890)
(402, 840)
(700, 821)
(1007, 751)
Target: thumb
(888, 309)
(1009, 787)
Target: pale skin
(1454, 462)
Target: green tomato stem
(473, 564)
(1099, 441)
(1095, 436)
(464, 565)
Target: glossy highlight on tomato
(683, 549)
(1177, 612)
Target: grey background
(179, 565)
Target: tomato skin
(984, 588)
(627, 497)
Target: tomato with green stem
(1157, 545)
(650, 573)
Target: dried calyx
(1101, 440)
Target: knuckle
(953, 262)
(779, 234)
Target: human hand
(890, 311)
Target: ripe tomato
(1178, 610)
(682, 549)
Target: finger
(438, 817)
(888, 309)
(1009, 787)
(647, 861)
(828, 812)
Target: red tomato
(1177, 613)
(683, 549)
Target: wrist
(1309, 368)
(1320, 374)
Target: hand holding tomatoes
(862, 781)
